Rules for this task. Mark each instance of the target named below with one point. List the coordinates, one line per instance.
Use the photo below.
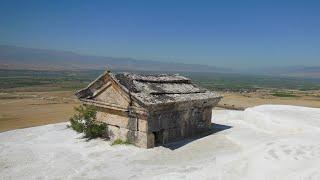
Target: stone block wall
(178, 124)
(133, 130)
(158, 127)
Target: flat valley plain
(31, 98)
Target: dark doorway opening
(158, 137)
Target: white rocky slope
(264, 142)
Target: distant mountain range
(12, 57)
(290, 71)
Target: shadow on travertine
(214, 128)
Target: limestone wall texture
(158, 127)
(127, 128)
(169, 126)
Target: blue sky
(237, 34)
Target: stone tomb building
(149, 110)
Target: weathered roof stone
(155, 89)
(158, 78)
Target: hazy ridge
(12, 57)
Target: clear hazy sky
(224, 33)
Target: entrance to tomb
(158, 137)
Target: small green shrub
(119, 141)
(84, 120)
(95, 130)
(75, 125)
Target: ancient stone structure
(149, 110)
